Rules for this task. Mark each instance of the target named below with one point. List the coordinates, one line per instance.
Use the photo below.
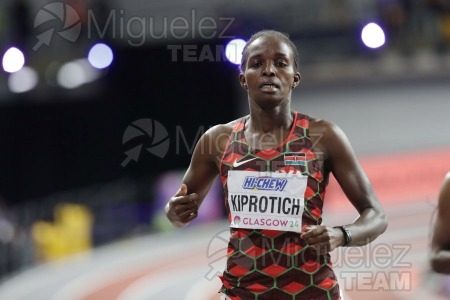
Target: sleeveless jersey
(267, 263)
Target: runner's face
(269, 71)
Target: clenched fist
(182, 208)
(322, 239)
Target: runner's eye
(255, 64)
(281, 63)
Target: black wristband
(347, 234)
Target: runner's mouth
(269, 85)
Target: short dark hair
(271, 33)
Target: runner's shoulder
(221, 130)
(323, 127)
(216, 137)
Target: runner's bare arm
(342, 162)
(440, 244)
(183, 207)
(338, 156)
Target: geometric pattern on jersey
(271, 264)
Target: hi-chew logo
(264, 183)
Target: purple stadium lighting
(233, 50)
(100, 56)
(373, 36)
(13, 60)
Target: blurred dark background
(70, 132)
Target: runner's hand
(182, 208)
(322, 239)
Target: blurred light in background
(13, 60)
(71, 75)
(71, 232)
(100, 56)
(23, 80)
(233, 50)
(76, 73)
(373, 36)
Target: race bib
(266, 200)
